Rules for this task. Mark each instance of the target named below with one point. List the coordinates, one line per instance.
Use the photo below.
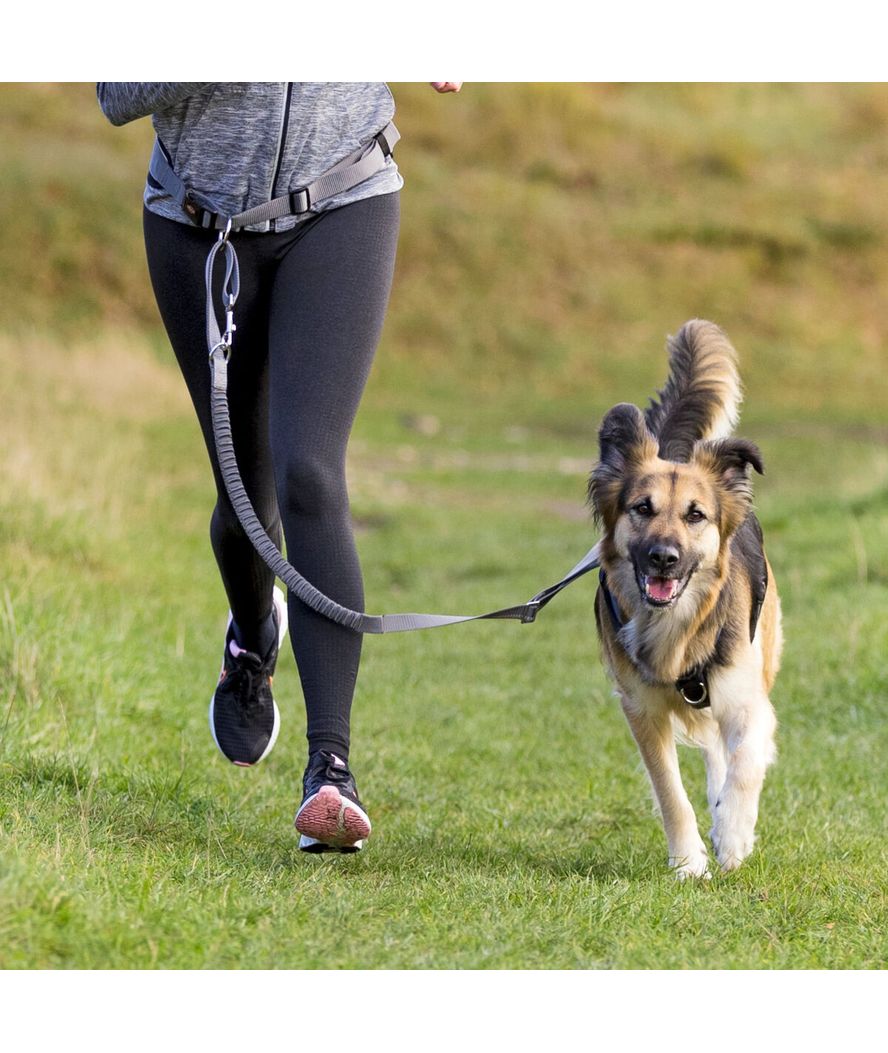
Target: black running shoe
(244, 717)
(331, 818)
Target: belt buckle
(199, 216)
(300, 201)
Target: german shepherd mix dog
(687, 608)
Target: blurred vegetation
(552, 235)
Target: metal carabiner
(224, 346)
(230, 327)
(223, 234)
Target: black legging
(310, 311)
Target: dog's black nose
(663, 557)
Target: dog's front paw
(732, 841)
(692, 864)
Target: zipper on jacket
(282, 138)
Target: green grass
(551, 236)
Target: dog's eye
(643, 508)
(695, 516)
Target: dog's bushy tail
(701, 397)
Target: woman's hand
(443, 86)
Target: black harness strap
(693, 686)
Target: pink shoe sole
(332, 819)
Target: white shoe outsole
(312, 844)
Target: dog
(687, 608)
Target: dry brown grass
(72, 419)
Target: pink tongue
(661, 588)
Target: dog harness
(693, 686)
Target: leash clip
(531, 609)
(230, 327)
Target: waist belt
(359, 165)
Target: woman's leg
(177, 254)
(328, 302)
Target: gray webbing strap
(161, 171)
(353, 169)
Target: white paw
(692, 864)
(732, 842)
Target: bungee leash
(353, 169)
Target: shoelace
(330, 772)
(337, 775)
(249, 678)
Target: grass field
(551, 237)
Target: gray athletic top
(241, 145)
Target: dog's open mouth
(660, 592)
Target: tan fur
(771, 629)
(718, 369)
(644, 501)
(703, 383)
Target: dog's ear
(623, 443)
(729, 460)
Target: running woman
(313, 295)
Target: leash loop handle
(216, 338)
